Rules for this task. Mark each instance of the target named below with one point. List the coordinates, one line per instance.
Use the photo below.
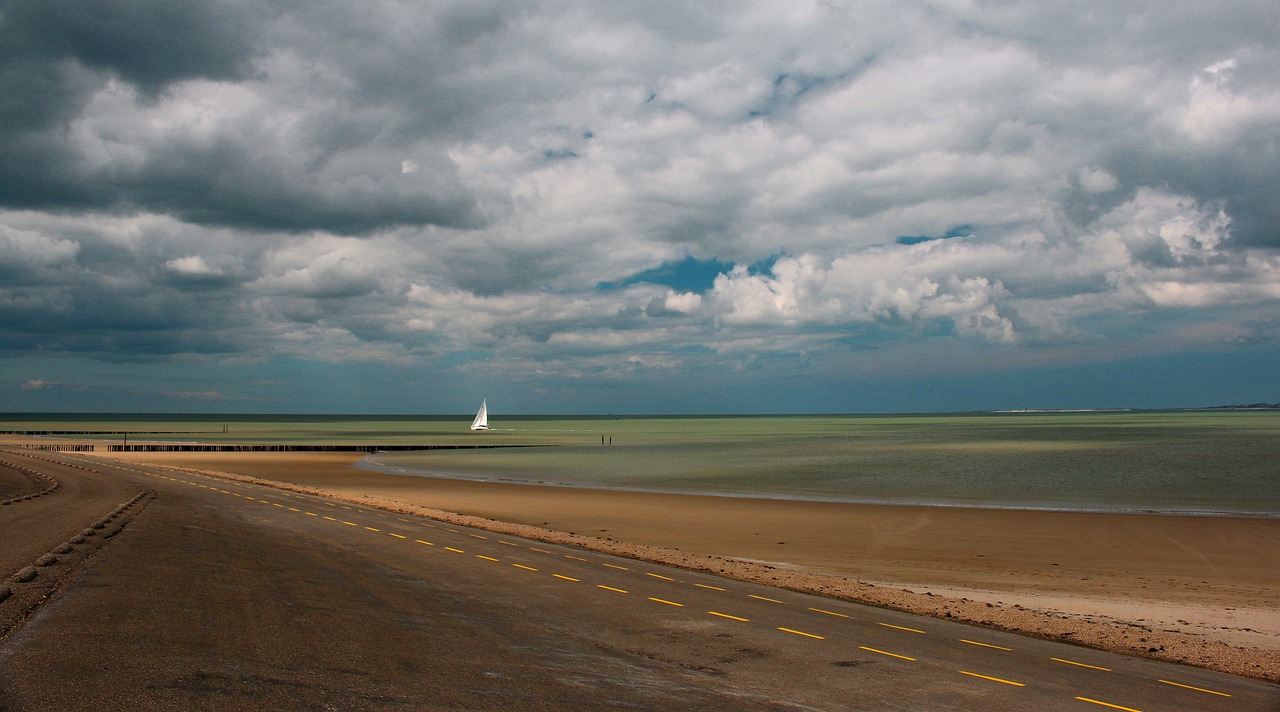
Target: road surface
(222, 595)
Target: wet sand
(1199, 590)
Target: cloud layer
(541, 198)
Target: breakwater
(197, 447)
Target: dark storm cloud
(148, 43)
(58, 55)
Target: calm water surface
(1205, 462)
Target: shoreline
(1198, 590)
(366, 463)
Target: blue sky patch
(687, 275)
(957, 231)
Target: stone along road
(214, 594)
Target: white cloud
(402, 182)
(192, 265)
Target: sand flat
(1207, 582)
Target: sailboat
(482, 417)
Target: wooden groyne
(196, 447)
(51, 447)
(65, 433)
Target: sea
(1219, 462)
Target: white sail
(482, 417)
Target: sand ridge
(1206, 597)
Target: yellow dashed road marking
(800, 632)
(829, 613)
(615, 566)
(1197, 689)
(713, 588)
(881, 652)
(1108, 704)
(660, 576)
(609, 588)
(420, 541)
(566, 578)
(762, 598)
(486, 558)
(522, 566)
(669, 603)
(575, 558)
(898, 627)
(985, 645)
(450, 548)
(993, 679)
(398, 536)
(1083, 665)
(726, 615)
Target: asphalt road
(227, 596)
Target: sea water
(1198, 462)
(1210, 462)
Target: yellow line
(898, 627)
(669, 603)
(251, 499)
(508, 543)
(373, 530)
(762, 598)
(830, 613)
(424, 542)
(660, 576)
(609, 588)
(713, 588)
(522, 566)
(351, 524)
(800, 632)
(450, 548)
(540, 551)
(615, 566)
(1108, 704)
(478, 536)
(331, 519)
(311, 514)
(486, 558)
(575, 558)
(726, 615)
(993, 679)
(1071, 662)
(892, 655)
(1197, 689)
(294, 509)
(398, 536)
(985, 645)
(566, 578)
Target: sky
(314, 206)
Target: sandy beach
(1193, 589)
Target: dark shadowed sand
(1200, 590)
